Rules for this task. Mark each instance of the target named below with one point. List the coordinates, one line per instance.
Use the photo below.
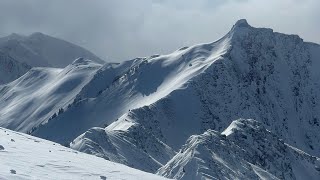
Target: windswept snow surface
(117, 88)
(38, 95)
(27, 157)
(40, 50)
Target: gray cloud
(120, 30)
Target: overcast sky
(119, 30)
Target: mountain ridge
(39, 49)
(256, 153)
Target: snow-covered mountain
(145, 112)
(268, 76)
(42, 93)
(40, 50)
(245, 150)
(27, 157)
(11, 69)
(116, 89)
(19, 53)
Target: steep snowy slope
(115, 89)
(26, 157)
(40, 50)
(245, 150)
(268, 76)
(41, 94)
(137, 148)
(10, 69)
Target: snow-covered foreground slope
(40, 50)
(245, 150)
(10, 69)
(27, 157)
(41, 93)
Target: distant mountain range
(37, 50)
(244, 107)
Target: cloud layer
(122, 29)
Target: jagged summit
(242, 125)
(242, 30)
(242, 23)
(81, 60)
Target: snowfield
(26, 157)
(38, 95)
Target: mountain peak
(37, 35)
(240, 28)
(242, 23)
(81, 60)
(15, 35)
